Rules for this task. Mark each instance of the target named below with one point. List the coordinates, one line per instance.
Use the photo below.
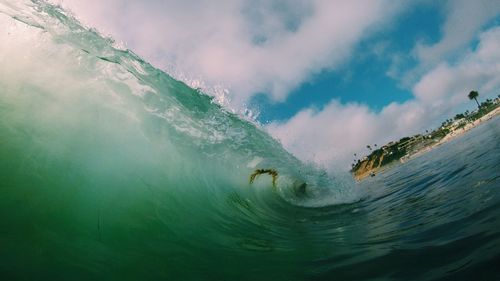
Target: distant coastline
(407, 148)
(454, 134)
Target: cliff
(367, 167)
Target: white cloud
(331, 135)
(464, 19)
(477, 70)
(251, 46)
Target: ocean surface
(110, 169)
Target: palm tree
(473, 96)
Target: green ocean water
(111, 169)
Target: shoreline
(453, 135)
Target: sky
(324, 77)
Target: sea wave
(76, 82)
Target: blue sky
(364, 79)
(324, 77)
